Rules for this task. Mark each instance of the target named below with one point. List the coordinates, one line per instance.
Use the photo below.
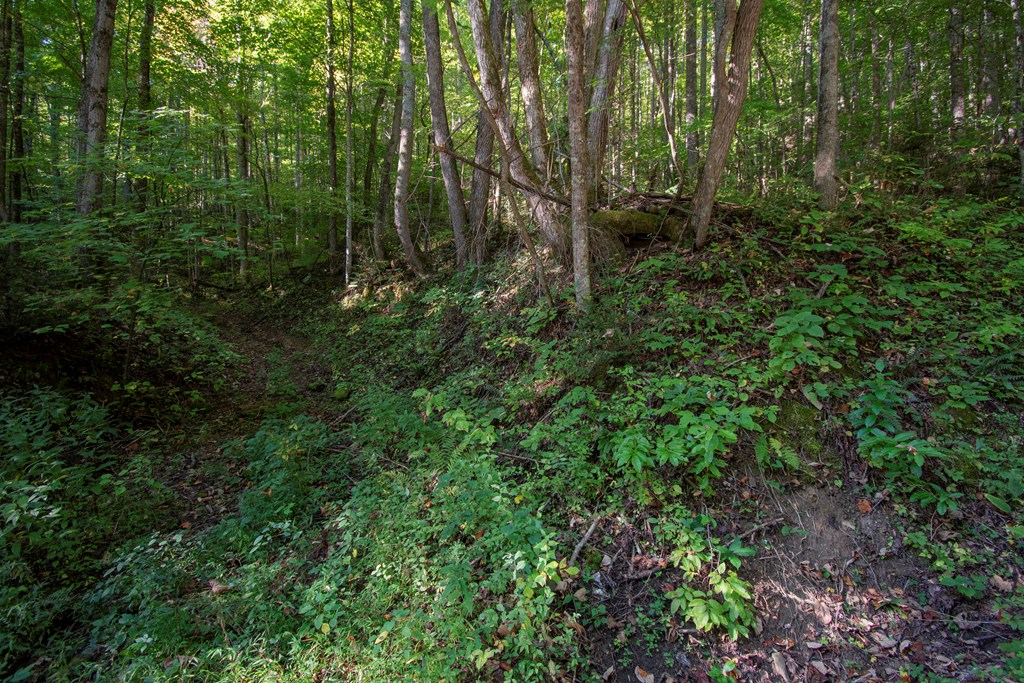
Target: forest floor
(838, 595)
(794, 457)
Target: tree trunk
(5, 84)
(957, 101)
(690, 60)
(92, 108)
(732, 89)
(405, 142)
(145, 103)
(349, 104)
(529, 79)
(605, 74)
(332, 145)
(827, 141)
(575, 53)
(386, 191)
(492, 95)
(244, 178)
(442, 134)
(1018, 95)
(17, 119)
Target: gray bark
(732, 89)
(529, 79)
(405, 142)
(92, 109)
(332, 144)
(957, 100)
(603, 80)
(442, 134)
(386, 191)
(690, 59)
(575, 53)
(827, 141)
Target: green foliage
(713, 595)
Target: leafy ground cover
(793, 456)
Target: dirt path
(277, 372)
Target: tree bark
(603, 80)
(17, 119)
(386, 191)
(732, 89)
(145, 103)
(529, 80)
(332, 145)
(349, 104)
(92, 108)
(690, 59)
(957, 101)
(405, 142)
(827, 141)
(5, 85)
(442, 133)
(245, 179)
(575, 52)
(520, 167)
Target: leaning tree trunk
(521, 169)
(731, 90)
(442, 134)
(92, 108)
(575, 53)
(827, 142)
(349, 104)
(405, 142)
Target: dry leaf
(864, 506)
(608, 674)
(643, 676)
(580, 594)
(613, 623)
(216, 587)
(1001, 583)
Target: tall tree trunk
(405, 142)
(349, 104)
(371, 142)
(242, 218)
(957, 100)
(5, 85)
(529, 79)
(442, 134)
(690, 59)
(92, 109)
(492, 97)
(1018, 94)
(578, 147)
(732, 89)
(332, 145)
(386, 191)
(18, 119)
(827, 141)
(603, 80)
(145, 103)
(480, 185)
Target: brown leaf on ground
(864, 506)
(643, 676)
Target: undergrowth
(426, 537)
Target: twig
(760, 527)
(583, 541)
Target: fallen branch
(583, 541)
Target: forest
(649, 341)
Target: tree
(92, 107)
(579, 152)
(441, 133)
(405, 141)
(332, 143)
(827, 140)
(731, 67)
